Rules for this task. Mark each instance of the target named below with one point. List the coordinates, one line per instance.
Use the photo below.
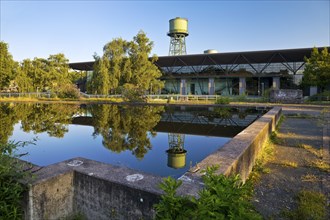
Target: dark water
(161, 140)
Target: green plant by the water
(11, 189)
(221, 198)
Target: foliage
(222, 198)
(132, 93)
(223, 100)
(68, 90)
(126, 128)
(171, 205)
(311, 205)
(126, 65)
(241, 98)
(50, 118)
(11, 190)
(34, 75)
(7, 66)
(323, 96)
(317, 69)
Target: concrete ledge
(238, 155)
(103, 191)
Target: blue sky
(80, 28)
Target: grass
(266, 155)
(321, 165)
(310, 205)
(34, 99)
(309, 178)
(311, 149)
(289, 164)
(274, 139)
(300, 116)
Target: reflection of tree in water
(49, 118)
(126, 127)
(7, 121)
(38, 118)
(224, 112)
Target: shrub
(241, 98)
(222, 100)
(132, 93)
(222, 198)
(11, 175)
(68, 91)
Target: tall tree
(126, 65)
(100, 83)
(317, 69)
(24, 82)
(145, 73)
(7, 66)
(58, 70)
(115, 52)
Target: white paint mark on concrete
(90, 174)
(185, 179)
(75, 163)
(134, 177)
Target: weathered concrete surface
(96, 190)
(277, 190)
(51, 199)
(286, 96)
(238, 155)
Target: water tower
(178, 33)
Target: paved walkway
(303, 143)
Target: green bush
(222, 198)
(241, 98)
(11, 175)
(132, 93)
(68, 91)
(324, 96)
(223, 100)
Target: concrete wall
(286, 96)
(238, 155)
(100, 199)
(103, 191)
(50, 198)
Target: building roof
(247, 57)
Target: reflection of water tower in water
(178, 33)
(176, 154)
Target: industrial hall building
(234, 73)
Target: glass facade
(259, 77)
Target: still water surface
(160, 140)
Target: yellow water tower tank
(178, 26)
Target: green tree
(100, 82)
(24, 82)
(58, 70)
(317, 69)
(145, 73)
(126, 66)
(7, 66)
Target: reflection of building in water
(176, 154)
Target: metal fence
(26, 94)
